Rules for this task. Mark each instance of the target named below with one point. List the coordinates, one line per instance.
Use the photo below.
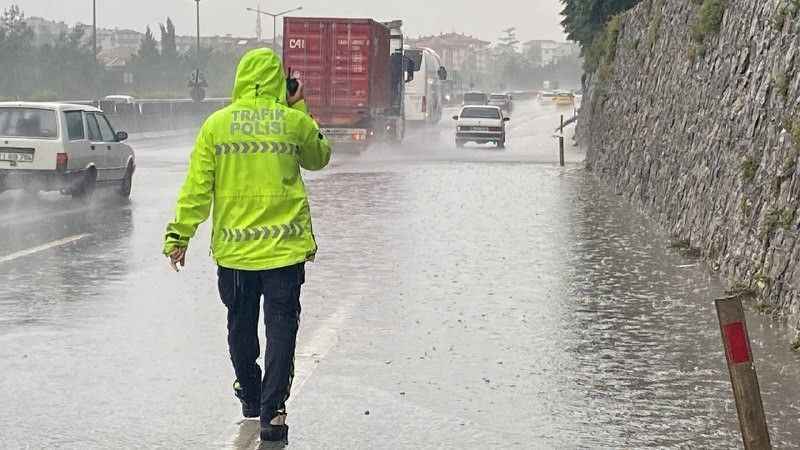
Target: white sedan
(482, 125)
(58, 146)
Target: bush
(749, 169)
(709, 19)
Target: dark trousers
(241, 292)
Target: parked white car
(482, 125)
(57, 146)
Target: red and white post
(752, 421)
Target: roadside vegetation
(157, 69)
(589, 22)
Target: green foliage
(781, 84)
(792, 126)
(709, 19)
(585, 22)
(749, 169)
(741, 290)
(604, 49)
(777, 218)
(786, 9)
(28, 71)
(746, 208)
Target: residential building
(546, 52)
(459, 52)
(46, 31)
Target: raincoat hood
(260, 75)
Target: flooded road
(462, 298)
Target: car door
(76, 141)
(115, 163)
(98, 148)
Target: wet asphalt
(462, 298)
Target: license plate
(16, 157)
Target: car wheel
(85, 189)
(459, 143)
(501, 144)
(124, 190)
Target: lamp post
(197, 2)
(94, 31)
(197, 83)
(274, 21)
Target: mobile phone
(292, 85)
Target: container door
(306, 53)
(350, 78)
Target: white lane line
(41, 248)
(316, 348)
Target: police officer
(246, 164)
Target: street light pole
(94, 30)
(197, 2)
(274, 22)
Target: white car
(503, 101)
(482, 125)
(58, 146)
(119, 99)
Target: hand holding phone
(292, 84)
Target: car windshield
(480, 113)
(474, 97)
(28, 123)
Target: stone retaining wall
(704, 137)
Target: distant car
(503, 101)
(59, 146)
(119, 99)
(564, 98)
(476, 98)
(482, 125)
(547, 96)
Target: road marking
(41, 248)
(316, 348)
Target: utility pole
(258, 23)
(94, 30)
(198, 32)
(274, 16)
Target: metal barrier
(160, 115)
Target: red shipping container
(344, 66)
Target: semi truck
(354, 74)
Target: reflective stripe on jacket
(247, 161)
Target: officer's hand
(299, 95)
(177, 259)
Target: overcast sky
(534, 19)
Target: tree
(15, 49)
(148, 48)
(169, 48)
(509, 41)
(584, 20)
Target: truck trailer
(353, 72)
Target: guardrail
(159, 115)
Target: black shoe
(274, 433)
(250, 408)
